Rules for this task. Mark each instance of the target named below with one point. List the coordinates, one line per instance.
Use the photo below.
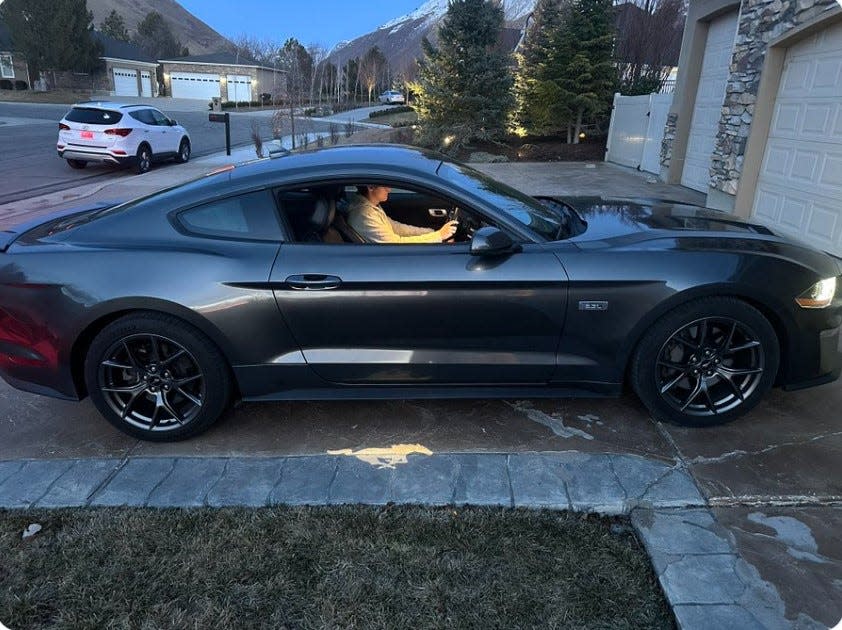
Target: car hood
(609, 218)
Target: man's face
(379, 194)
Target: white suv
(112, 133)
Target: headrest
(323, 214)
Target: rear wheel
(707, 362)
(183, 151)
(144, 159)
(156, 378)
(77, 164)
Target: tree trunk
(569, 133)
(578, 127)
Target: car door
(169, 137)
(415, 314)
(148, 130)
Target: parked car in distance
(391, 97)
(250, 283)
(122, 135)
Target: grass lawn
(337, 567)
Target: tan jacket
(375, 226)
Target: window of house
(252, 216)
(7, 70)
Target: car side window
(144, 116)
(159, 118)
(252, 216)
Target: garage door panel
(125, 82)
(799, 191)
(194, 85)
(710, 95)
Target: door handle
(437, 213)
(313, 282)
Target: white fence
(637, 130)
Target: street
(28, 133)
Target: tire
(157, 378)
(77, 164)
(144, 159)
(706, 362)
(183, 151)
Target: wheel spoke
(169, 360)
(724, 371)
(696, 391)
(156, 349)
(131, 402)
(190, 397)
(745, 346)
(672, 365)
(686, 342)
(135, 363)
(119, 366)
(131, 389)
(733, 385)
(169, 409)
(730, 338)
(672, 383)
(186, 380)
(703, 333)
(711, 405)
(155, 420)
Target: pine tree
(53, 34)
(155, 36)
(540, 108)
(464, 88)
(114, 26)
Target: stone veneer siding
(760, 22)
(669, 137)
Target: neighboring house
(128, 71)
(228, 76)
(756, 122)
(14, 71)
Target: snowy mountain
(400, 39)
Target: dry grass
(339, 567)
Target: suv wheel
(144, 159)
(183, 151)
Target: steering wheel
(463, 232)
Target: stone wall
(669, 137)
(761, 21)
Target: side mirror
(489, 241)
(173, 122)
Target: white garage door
(239, 87)
(800, 187)
(125, 82)
(709, 98)
(194, 85)
(146, 83)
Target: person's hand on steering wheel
(448, 230)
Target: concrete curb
(705, 581)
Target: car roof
(110, 105)
(374, 157)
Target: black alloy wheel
(706, 363)
(156, 378)
(144, 159)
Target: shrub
(401, 109)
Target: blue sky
(324, 22)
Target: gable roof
(115, 49)
(220, 58)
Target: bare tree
(371, 69)
(318, 55)
(648, 42)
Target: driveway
(772, 478)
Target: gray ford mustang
(249, 283)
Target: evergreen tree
(114, 26)
(53, 34)
(540, 107)
(155, 36)
(464, 89)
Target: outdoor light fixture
(448, 140)
(820, 295)
(582, 136)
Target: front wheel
(157, 378)
(705, 363)
(183, 151)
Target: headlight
(820, 295)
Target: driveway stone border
(704, 579)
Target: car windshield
(93, 116)
(551, 224)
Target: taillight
(118, 132)
(63, 127)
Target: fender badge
(587, 305)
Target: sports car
(249, 283)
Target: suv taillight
(63, 127)
(118, 132)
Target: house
(756, 122)
(228, 76)
(14, 71)
(128, 70)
